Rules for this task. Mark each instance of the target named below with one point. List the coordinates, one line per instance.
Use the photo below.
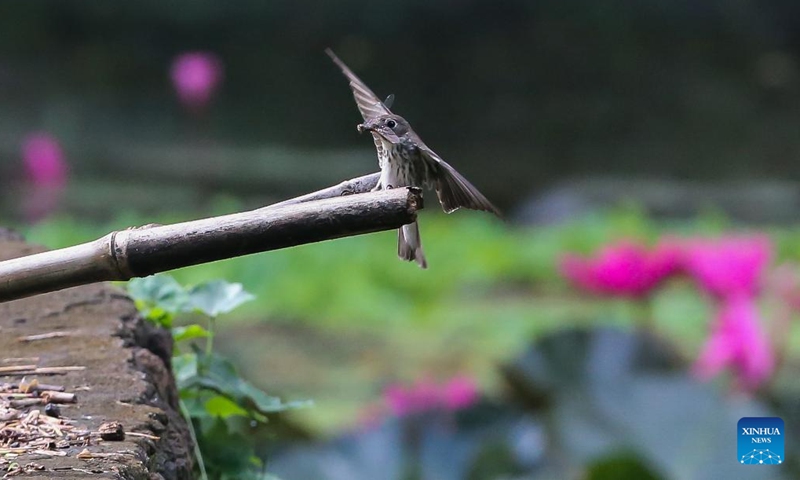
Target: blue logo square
(760, 441)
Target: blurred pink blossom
(737, 341)
(425, 395)
(626, 269)
(196, 76)
(46, 170)
(459, 393)
(416, 398)
(728, 266)
(43, 160)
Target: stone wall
(125, 378)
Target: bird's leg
(381, 185)
(384, 179)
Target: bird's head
(390, 127)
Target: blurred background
(639, 300)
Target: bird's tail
(409, 245)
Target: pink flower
(738, 342)
(420, 397)
(196, 76)
(728, 266)
(626, 269)
(425, 395)
(459, 393)
(43, 160)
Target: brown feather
(454, 191)
(368, 103)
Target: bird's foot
(144, 227)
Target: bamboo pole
(143, 251)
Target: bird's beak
(367, 126)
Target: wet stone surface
(124, 378)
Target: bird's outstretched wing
(368, 103)
(454, 191)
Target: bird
(405, 161)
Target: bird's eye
(391, 123)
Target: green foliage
(158, 298)
(490, 290)
(218, 403)
(189, 332)
(217, 296)
(199, 375)
(620, 467)
(491, 287)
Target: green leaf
(158, 298)
(185, 368)
(621, 466)
(223, 407)
(215, 373)
(194, 405)
(189, 332)
(156, 315)
(217, 296)
(231, 453)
